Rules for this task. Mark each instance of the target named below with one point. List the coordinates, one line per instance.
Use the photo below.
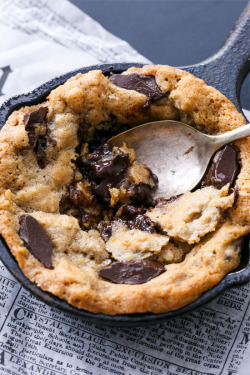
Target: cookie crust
(90, 99)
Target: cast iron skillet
(225, 71)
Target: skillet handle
(227, 68)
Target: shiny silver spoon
(177, 153)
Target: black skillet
(225, 71)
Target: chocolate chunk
(79, 203)
(40, 151)
(133, 217)
(224, 168)
(87, 220)
(106, 231)
(32, 119)
(132, 272)
(108, 174)
(51, 140)
(143, 223)
(143, 84)
(106, 170)
(65, 203)
(36, 239)
(111, 169)
(75, 195)
(128, 211)
(143, 195)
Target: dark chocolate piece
(134, 218)
(143, 223)
(111, 170)
(35, 238)
(143, 195)
(127, 211)
(106, 231)
(65, 203)
(87, 220)
(224, 168)
(105, 169)
(143, 84)
(40, 151)
(132, 272)
(108, 174)
(82, 206)
(32, 119)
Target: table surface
(173, 32)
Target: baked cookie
(81, 218)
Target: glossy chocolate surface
(132, 272)
(143, 84)
(224, 168)
(35, 238)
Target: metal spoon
(177, 153)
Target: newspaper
(38, 339)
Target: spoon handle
(233, 135)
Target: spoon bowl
(177, 153)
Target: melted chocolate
(223, 170)
(51, 140)
(104, 170)
(88, 221)
(40, 151)
(32, 119)
(134, 218)
(143, 195)
(77, 204)
(35, 238)
(132, 272)
(78, 198)
(127, 211)
(143, 223)
(97, 137)
(106, 231)
(65, 204)
(108, 174)
(143, 84)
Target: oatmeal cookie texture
(81, 219)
